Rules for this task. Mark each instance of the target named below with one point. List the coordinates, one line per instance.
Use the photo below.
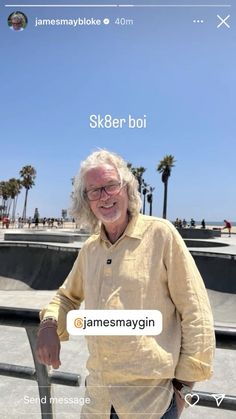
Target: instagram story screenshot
(118, 209)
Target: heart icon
(192, 399)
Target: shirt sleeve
(68, 297)
(189, 295)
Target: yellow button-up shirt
(150, 268)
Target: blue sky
(180, 74)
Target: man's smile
(107, 206)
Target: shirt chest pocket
(131, 277)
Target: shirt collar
(134, 229)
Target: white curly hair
(80, 209)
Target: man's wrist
(47, 323)
(176, 383)
(52, 321)
(183, 389)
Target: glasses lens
(95, 194)
(112, 189)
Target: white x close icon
(223, 21)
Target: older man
(17, 21)
(131, 262)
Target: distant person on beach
(203, 224)
(19, 222)
(176, 223)
(36, 222)
(5, 222)
(131, 262)
(228, 225)
(192, 223)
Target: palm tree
(145, 190)
(164, 167)
(149, 199)
(14, 190)
(5, 194)
(138, 174)
(28, 174)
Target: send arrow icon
(218, 398)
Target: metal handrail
(29, 319)
(207, 399)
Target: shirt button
(105, 358)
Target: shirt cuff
(194, 368)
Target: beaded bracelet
(47, 323)
(51, 319)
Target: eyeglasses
(96, 193)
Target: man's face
(110, 210)
(16, 24)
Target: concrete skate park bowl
(34, 266)
(199, 233)
(38, 260)
(44, 267)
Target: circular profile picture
(17, 21)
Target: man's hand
(179, 402)
(48, 345)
